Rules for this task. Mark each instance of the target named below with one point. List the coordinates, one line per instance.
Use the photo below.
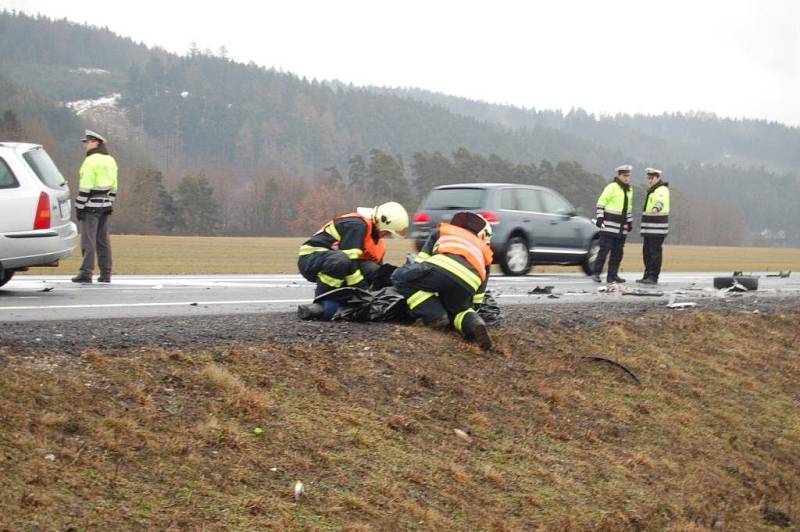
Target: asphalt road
(51, 298)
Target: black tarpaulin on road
(386, 304)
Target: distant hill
(247, 128)
(658, 140)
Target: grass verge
(159, 439)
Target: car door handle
(526, 220)
(553, 222)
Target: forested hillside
(208, 145)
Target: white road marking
(163, 304)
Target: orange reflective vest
(459, 241)
(372, 250)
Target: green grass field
(134, 254)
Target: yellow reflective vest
(615, 208)
(98, 184)
(655, 217)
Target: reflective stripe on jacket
(457, 257)
(655, 217)
(98, 182)
(615, 207)
(459, 241)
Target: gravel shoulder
(73, 337)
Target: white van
(35, 222)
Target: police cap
(625, 169)
(92, 135)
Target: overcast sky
(737, 58)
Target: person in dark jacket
(347, 251)
(447, 283)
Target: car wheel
(5, 276)
(516, 258)
(591, 257)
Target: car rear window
(7, 179)
(446, 199)
(44, 167)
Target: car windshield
(44, 167)
(446, 199)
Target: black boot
(596, 278)
(104, 278)
(475, 329)
(312, 311)
(82, 278)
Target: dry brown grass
(155, 439)
(143, 255)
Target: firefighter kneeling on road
(448, 281)
(347, 251)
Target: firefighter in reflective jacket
(655, 225)
(615, 220)
(347, 250)
(448, 281)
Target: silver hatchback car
(531, 224)
(35, 220)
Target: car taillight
(490, 217)
(42, 220)
(422, 218)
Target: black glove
(599, 222)
(630, 227)
(79, 214)
(110, 210)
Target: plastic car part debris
(595, 358)
(679, 304)
(781, 275)
(640, 292)
(542, 290)
(745, 282)
(682, 304)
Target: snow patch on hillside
(84, 70)
(81, 106)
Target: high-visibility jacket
(354, 235)
(460, 254)
(655, 217)
(97, 188)
(615, 208)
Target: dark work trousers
(609, 244)
(334, 266)
(450, 298)
(652, 254)
(95, 242)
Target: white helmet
(392, 217)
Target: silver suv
(35, 224)
(532, 225)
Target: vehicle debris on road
(780, 275)
(542, 290)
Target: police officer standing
(615, 220)
(655, 225)
(95, 203)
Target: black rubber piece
(614, 363)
